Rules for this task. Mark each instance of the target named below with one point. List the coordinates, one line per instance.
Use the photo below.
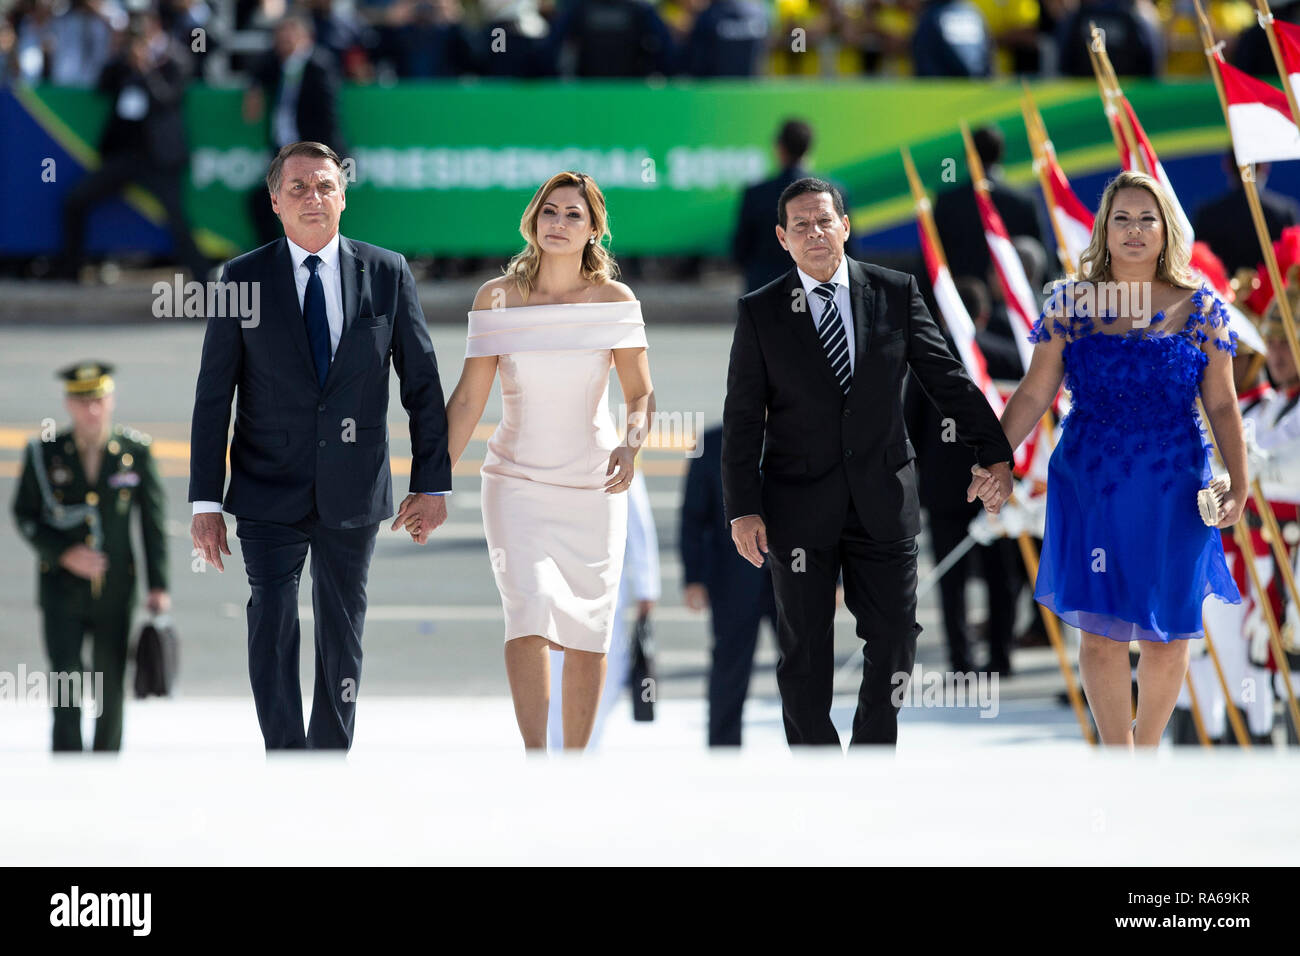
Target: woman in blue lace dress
(1126, 555)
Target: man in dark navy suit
(309, 459)
(816, 465)
(737, 594)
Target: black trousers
(1003, 573)
(880, 591)
(735, 615)
(340, 564)
(113, 176)
(65, 633)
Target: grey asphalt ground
(434, 624)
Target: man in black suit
(737, 595)
(1225, 223)
(958, 218)
(309, 460)
(753, 246)
(295, 92)
(143, 142)
(814, 388)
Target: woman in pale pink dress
(554, 512)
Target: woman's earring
(1162, 260)
(591, 241)
(1107, 258)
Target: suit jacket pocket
(901, 453)
(259, 438)
(373, 435)
(783, 466)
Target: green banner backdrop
(448, 168)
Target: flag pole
(1247, 171)
(1234, 718)
(1038, 144)
(1108, 83)
(1053, 627)
(1201, 735)
(1266, 19)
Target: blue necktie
(830, 330)
(318, 325)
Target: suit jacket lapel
(863, 296)
(285, 290)
(350, 277)
(805, 329)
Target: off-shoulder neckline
(556, 305)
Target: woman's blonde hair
(1173, 266)
(598, 264)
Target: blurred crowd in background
(69, 42)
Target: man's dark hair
(988, 145)
(319, 150)
(807, 185)
(795, 137)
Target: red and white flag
(1288, 41)
(958, 321)
(1073, 220)
(1259, 118)
(1148, 162)
(1022, 307)
(962, 328)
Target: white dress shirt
(817, 307)
(328, 270)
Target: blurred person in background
(1225, 223)
(345, 35)
(182, 20)
(426, 39)
(34, 22)
(8, 53)
(73, 504)
(1013, 25)
(1134, 40)
(715, 578)
(514, 40)
(143, 142)
(295, 93)
(952, 40)
(727, 39)
(943, 464)
(614, 38)
(957, 217)
(639, 588)
(83, 41)
(1251, 50)
(754, 246)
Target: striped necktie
(833, 337)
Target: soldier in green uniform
(74, 503)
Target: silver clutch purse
(1210, 500)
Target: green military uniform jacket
(56, 508)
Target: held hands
(750, 535)
(208, 532)
(991, 485)
(420, 515)
(623, 461)
(159, 601)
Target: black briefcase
(641, 680)
(156, 658)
